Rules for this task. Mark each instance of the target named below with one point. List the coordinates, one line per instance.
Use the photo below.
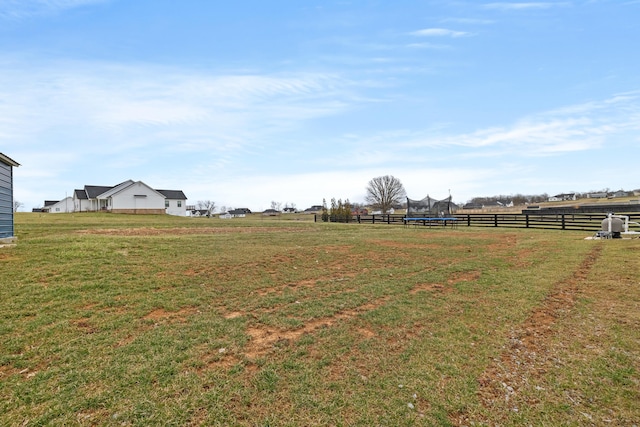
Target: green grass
(157, 320)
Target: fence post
(468, 220)
(526, 220)
(495, 220)
(315, 217)
(563, 222)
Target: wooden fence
(559, 221)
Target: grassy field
(157, 320)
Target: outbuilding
(6, 198)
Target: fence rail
(577, 222)
(556, 221)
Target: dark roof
(173, 194)
(80, 194)
(50, 202)
(8, 160)
(93, 191)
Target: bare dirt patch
(233, 315)
(220, 360)
(366, 333)
(467, 276)
(84, 325)
(4, 256)
(430, 287)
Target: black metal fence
(577, 222)
(556, 221)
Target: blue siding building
(6, 196)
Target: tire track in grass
(529, 351)
(264, 339)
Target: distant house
(598, 195)
(235, 213)
(271, 212)
(199, 212)
(619, 193)
(6, 198)
(289, 210)
(562, 197)
(58, 206)
(129, 197)
(314, 209)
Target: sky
(250, 102)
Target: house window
(179, 203)
(166, 203)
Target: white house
(562, 197)
(235, 213)
(175, 202)
(133, 198)
(59, 206)
(129, 197)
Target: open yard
(157, 320)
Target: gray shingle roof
(173, 194)
(94, 191)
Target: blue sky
(249, 102)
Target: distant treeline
(517, 199)
(521, 199)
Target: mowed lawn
(157, 320)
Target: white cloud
(428, 46)
(439, 32)
(575, 128)
(155, 105)
(470, 21)
(523, 6)
(20, 9)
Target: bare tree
(208, 205)
(17, 205)
(384, 192)
(277, 206)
